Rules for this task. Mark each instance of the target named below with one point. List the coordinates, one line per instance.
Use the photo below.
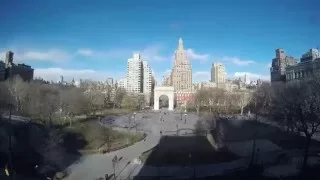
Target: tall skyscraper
(181, 76)
(135, 74)
(147, 77)
(148, 83)
(218, 73)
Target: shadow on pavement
(34, 154)
(183, 152)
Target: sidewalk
(97, 165)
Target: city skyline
(100, 45)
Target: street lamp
(185, 118)
(9, 169)
(114, 162)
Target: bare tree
(17, 89)
(107, 94)
(73, 102)
(5, 98)
(243, 98)
(118, 97)
(259, 104)
(95, 100)
(214, 99)
(301, 105)
(46, 104)
(129, 102)
(200, 99)
(107, 136)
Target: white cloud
(192, 55)
(252, 76)
(68, 74)
(269, 65)
(237, 61)
(85, 52)
(200, 76)
(152, 53)
(2, 55)
(52, 55)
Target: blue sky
(94, 39)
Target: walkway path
(97, 165)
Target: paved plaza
(97, 165)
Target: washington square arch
(167, 91)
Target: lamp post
(10, 143)
(114, 163)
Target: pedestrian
(161, 132)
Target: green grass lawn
(91, 136)
(115, 111)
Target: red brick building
(182, 97)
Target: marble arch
(163, 90)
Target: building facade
(122, 83)
(311, 55)
(147, 82)
(208, 84)
(2, 71)
(12, 70)
(135, 74)
(147, 78)
(218, 73)
(167, 80)
(22, 70)
(181, 76)
(110, 81)
(309, 66)
(279, 65)
(182, 98)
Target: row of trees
(219, 101)
(293, 106)
(57, 103)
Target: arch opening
(164, 102)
